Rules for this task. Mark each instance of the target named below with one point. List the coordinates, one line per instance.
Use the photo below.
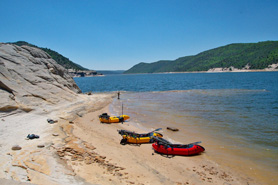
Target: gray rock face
(29, 77)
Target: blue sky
(117, 34)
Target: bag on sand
(32, 136)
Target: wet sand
(137, 164)
(229, 152)
(229, 157)
(78, 149)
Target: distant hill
(60, 59)
(254, 55)
(111, 72)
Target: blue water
(181, 81)
(245, 101)
(238, 109)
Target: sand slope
(84, 151)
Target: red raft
(165, 147)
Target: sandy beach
(78, 149)
(37, 161)
(39, 97)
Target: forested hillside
(60, 59)
(256, 55)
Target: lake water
(235, 115)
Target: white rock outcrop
(29, 77)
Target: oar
(156, 130)
(195, 143)
(161, 140)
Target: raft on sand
(105, 118)
(134, 138)
(165, 147)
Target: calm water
(234, 114)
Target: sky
(118, 34)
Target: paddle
(156, 130)
(161, 140)
(167, 143)
(195, 143)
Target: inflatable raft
(134, 138)
(165, 147)
(105, 118)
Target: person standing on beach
(118, 95)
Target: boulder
(29, 77)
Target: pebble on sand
(16, 147)
(40, 146)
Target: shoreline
(236, 71)
(84, 151)
(217, 151)
(138, 162)
(209, 71)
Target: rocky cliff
(30, 78)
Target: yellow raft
(134, 138)
(105, 118)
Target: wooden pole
(123, 113)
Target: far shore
(209, 71)
(217, 71)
